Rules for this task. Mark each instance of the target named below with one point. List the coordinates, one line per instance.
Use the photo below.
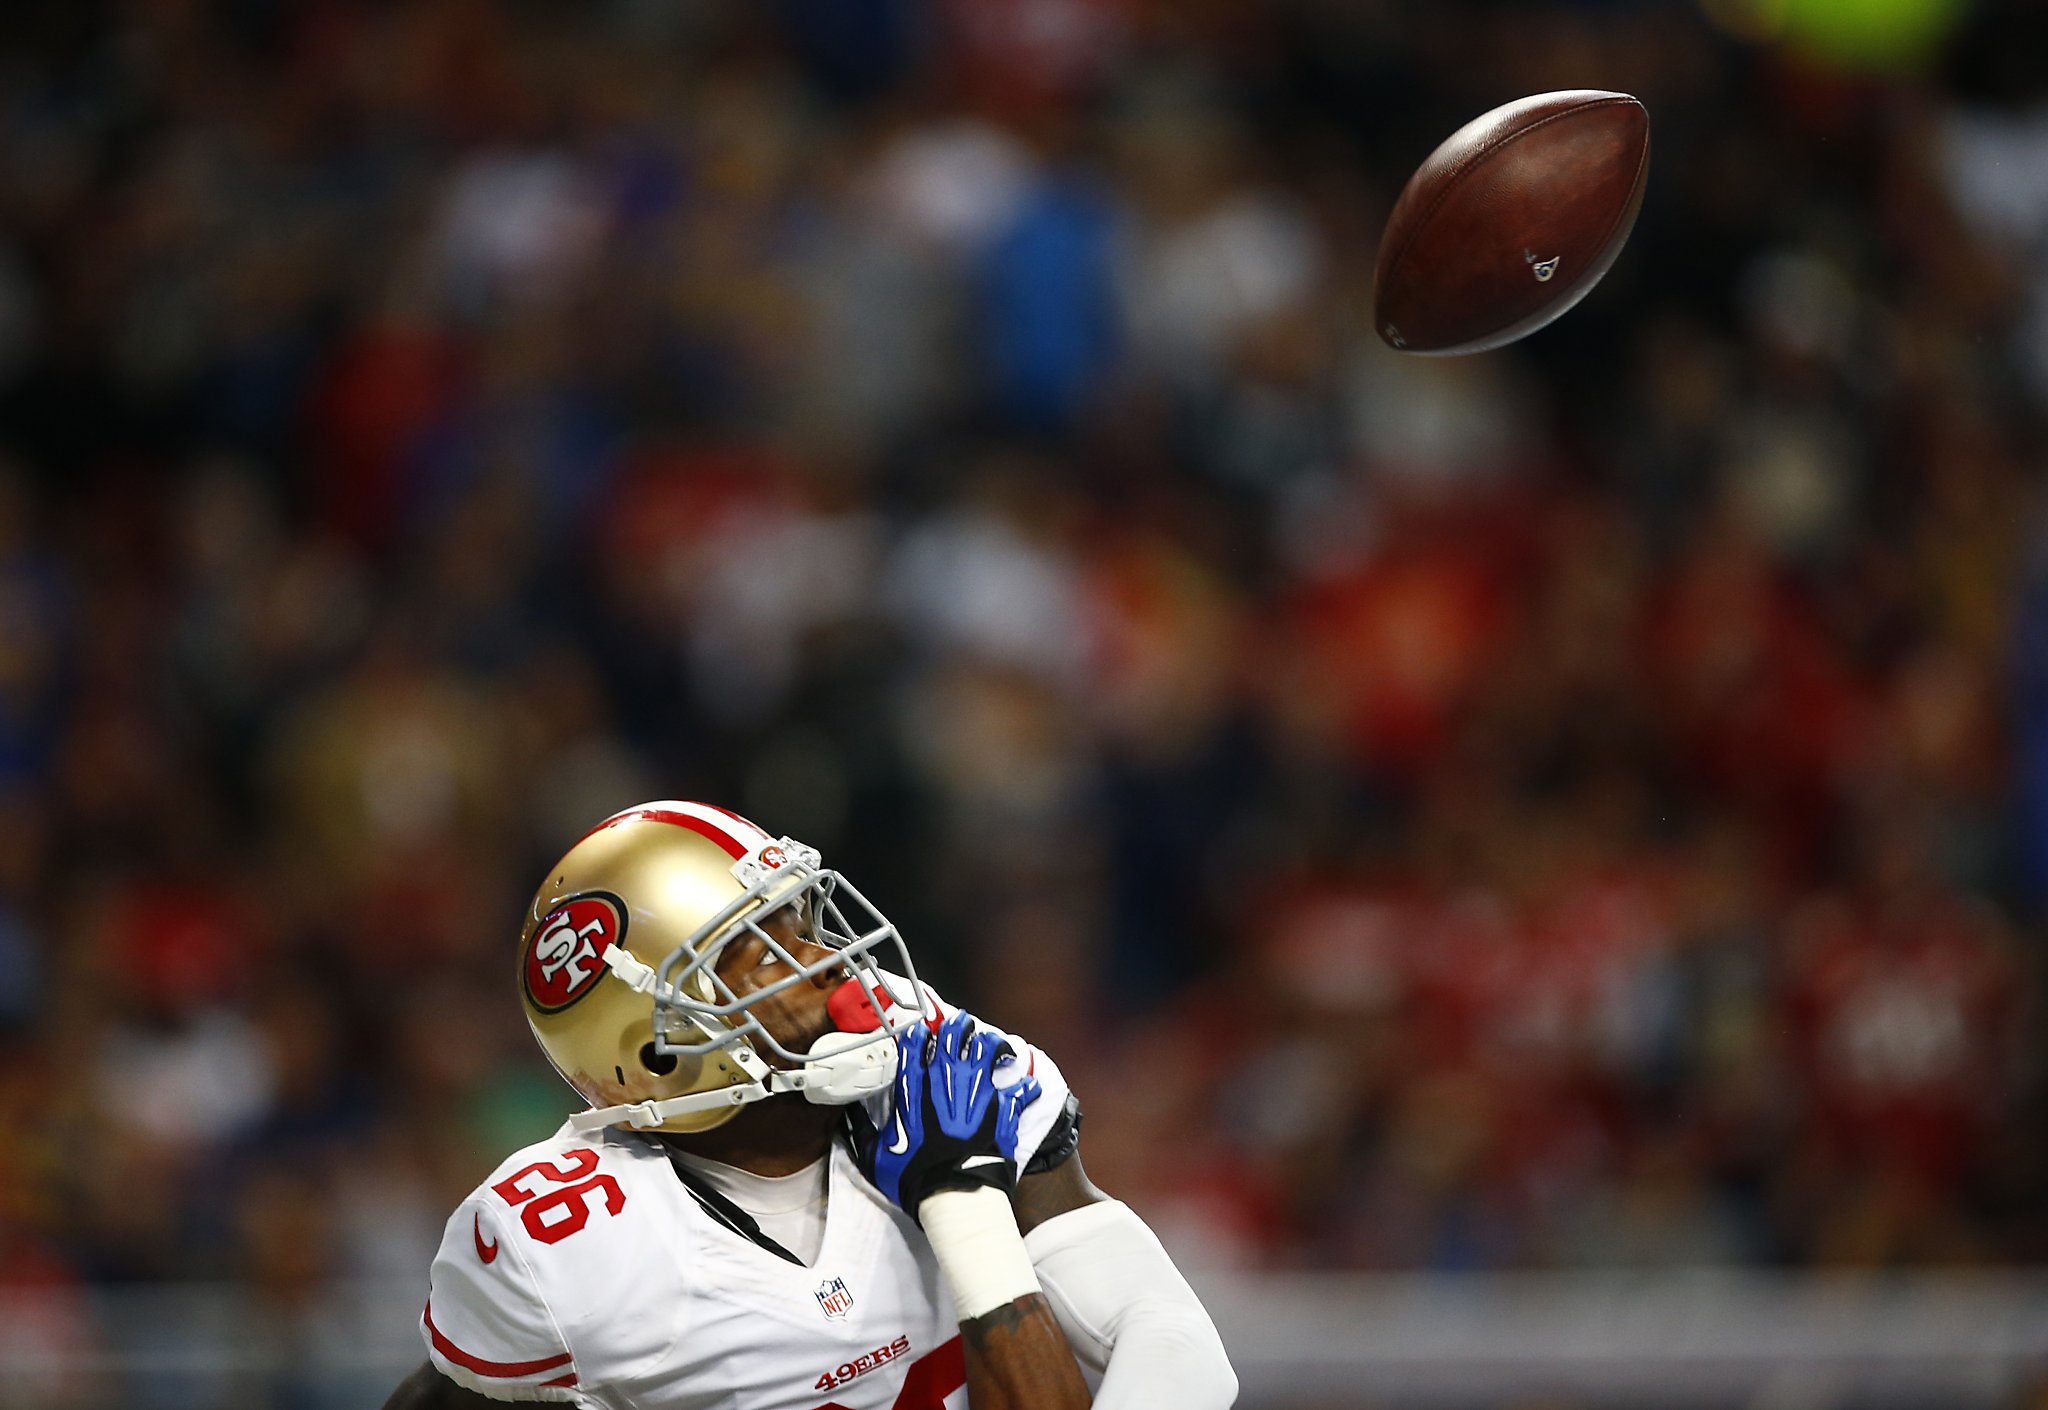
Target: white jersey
(583, 1269)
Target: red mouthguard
(851, 1009)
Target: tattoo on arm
(978, 1332)
(1017, 1359)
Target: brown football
(1511, 221)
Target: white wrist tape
(974, 1233)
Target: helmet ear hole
(658, 1063)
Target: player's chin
(778, 1056)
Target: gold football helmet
(618, 971)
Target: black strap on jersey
(1059, 1144)
(723, 1210)
(1061, 1141)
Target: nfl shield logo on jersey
(834, 1298)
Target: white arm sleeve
(1128, 1313)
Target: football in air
(1511, 221)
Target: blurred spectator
(1585, 805)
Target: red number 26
(552, 1215)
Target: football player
(803, 1182)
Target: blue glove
(949, 1127)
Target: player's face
(797, 1017)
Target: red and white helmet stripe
(739, 837)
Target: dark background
(1585, 805)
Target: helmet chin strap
(837, 1074)
(841, 1067)
(833, 1074)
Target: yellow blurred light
(1863, 34)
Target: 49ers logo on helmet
(565, 958)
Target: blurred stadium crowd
(1582, 805)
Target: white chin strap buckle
(834, 1074)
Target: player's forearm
(1016, 1355)
(1017, 1359)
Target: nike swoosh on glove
(949, 1127)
